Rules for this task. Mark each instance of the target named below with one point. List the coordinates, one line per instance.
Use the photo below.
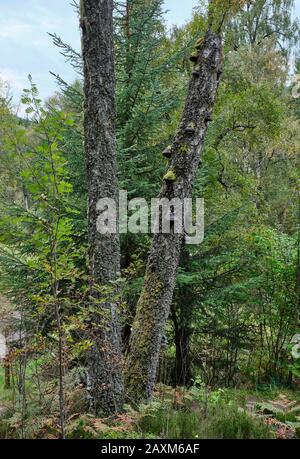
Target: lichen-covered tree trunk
(154, 304)
(105, 358)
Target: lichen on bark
(146, 335)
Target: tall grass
(222, 421)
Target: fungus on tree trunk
(196, 71)
(194, 57)
(170, 176)
(190, 129)
(199, 43)
(154, 304)
(167, 153)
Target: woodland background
(227, 368)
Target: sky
(26, 48)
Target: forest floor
(258, 413)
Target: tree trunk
(105, 358)
(182, 313)
(6, 365)
(183, 375)
(154, 304)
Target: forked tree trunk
(154, 304)
(105, 357)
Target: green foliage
(235, 297)
(37, 224)
(145, 95)
(163, 422)
(236, 302)
(230, 422)
(214, 419)
(264, 19)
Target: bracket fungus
(167, 153)
(194, 57)
(199, 43)
(196, 71)
(190, 129)
(170, 176)
(208, 117)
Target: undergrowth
(196, 413)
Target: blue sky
(26, 48)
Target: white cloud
(17, 80)
(14, 29)
(31, 30)
(26, 48)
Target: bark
(105, 358)
(154, 304)
(182, 317)
(183, 374)
(7, 372)
(297, 287)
